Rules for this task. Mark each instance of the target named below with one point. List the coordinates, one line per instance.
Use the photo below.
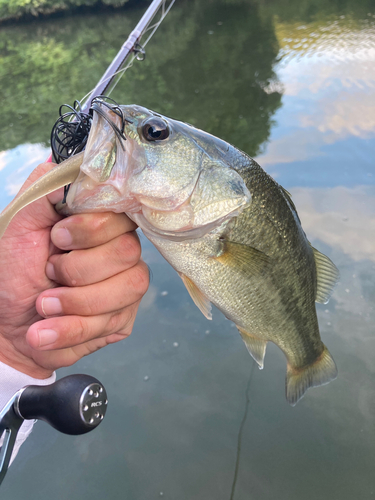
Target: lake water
(292, 83)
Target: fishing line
(138, 52)
(247, 398)
(96, 105)
(71, 131)
(69, 137)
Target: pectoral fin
(327, 276)
(243, 257)
(255, 346)
(200, 300)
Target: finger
(90, 230)
(73, 331)
(85, 267)
(56, 196)
(110, 295)
(54, 359)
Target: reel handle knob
(75, 404)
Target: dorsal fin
(200, 300)
(327, 276)
(288, 196)
(255, 346)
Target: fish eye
(155, 129)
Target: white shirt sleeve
(12, 381)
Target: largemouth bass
(230, 231)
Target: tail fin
(321, 372)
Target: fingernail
(61, 237)
(47, 337)
(50, 271)
(51, 306)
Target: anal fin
(199, 299)
(255, 346)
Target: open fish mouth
(104, 173)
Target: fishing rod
(70, 132)
(131, 49)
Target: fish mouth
(99, 197)
(102, 184)
(125, 176)
(181, 234)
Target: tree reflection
(210, 64)
(218, 75)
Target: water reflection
(212, 39)
(328, 74)
(238, 94)
(177, 432)
(341, 217)
(24, 159)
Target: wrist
(12, 381)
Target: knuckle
(98, 223)
(79, 333)
(91, 305)
(140, 279)
(102, 224)
(68, 270)
(128, 248)
(81, 302)
(122, 322)
(117, 322)
(88, 229)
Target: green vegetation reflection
(13, 9)
(203, 66)
(210, 64)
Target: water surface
(292, 84)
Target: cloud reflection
(15, 167)
(341, 217)
(328, 75)
(3, 162)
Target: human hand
(69, 291)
